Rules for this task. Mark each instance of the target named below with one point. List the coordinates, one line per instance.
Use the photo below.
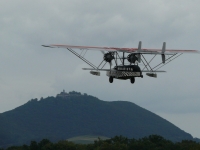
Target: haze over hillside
(74, 114)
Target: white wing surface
(128, 50)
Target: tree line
(152, 142)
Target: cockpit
(127, 68)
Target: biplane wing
(127, 50)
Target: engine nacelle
(132, 58)
(108, 57)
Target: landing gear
(111, 79)
(132, 80)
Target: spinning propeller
(163, 52)
(108, 57)
(132, 58)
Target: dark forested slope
(74, 114)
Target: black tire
(111, 79)
(132, 80)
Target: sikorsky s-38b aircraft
(127, 60)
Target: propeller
(163, 52)
(108, 57)
(132, 58)
(139, 50)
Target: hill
(74, 114)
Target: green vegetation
(153, 142)
(87, 139)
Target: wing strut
(82, 58)
(168, 60)
(147, 63)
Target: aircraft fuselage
(125, 72)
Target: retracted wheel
(132, 80)
(111, 79)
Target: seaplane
(128, 61)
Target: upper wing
(167, 51)
(128, 50)
(111, 49)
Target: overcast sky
(28, 70)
